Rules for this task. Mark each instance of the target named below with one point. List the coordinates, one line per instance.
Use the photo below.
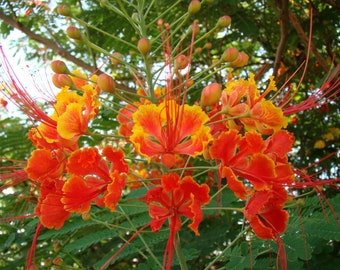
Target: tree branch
(54, 47)
(47, 42)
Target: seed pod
(59, 67)
(144, 46)
(211, 94)
(230, 55)
(224, 21)
(73, 32)
(194, 7)
(106, 83)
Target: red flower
(176, 197)
(50, 209)
(45, 164)
(264, 211)
(263, 162)
(170, 129)
(92, 180)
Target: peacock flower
(44, 164)
(264, 211)
(170, 129)
(242, 100)
(74, 112)
(263, 162)
(176, 197)
(93, 180)
(70, 120)
(50, 209)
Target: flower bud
(144, 46)
(190, 83)
(223, 22)
(181, 61)
(198, 50)
(106, 83)
(59, 67)
(115, 58)
(241, 60)
(208, 45)
(73, 32)
(194, 7)
(230, 55)
(61, 80)
(211, 94)
(63, 10)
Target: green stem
(180, 255)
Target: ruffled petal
(225, 146)
(78, 194)
(237, 186)
(114, 190)
(87, 161)
(116, 157)
(50, 209)
(45, 164)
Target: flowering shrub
(128, 170)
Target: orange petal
(114, 190)
(261, 171)
(50, 209)
(225, 146)
(72, 123)
(78, 194)
(45, 163)
(116, 157)
(170, 182)
(148, 120)
(87, 161)
(235, 184)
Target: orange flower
(264, 211)
(176, 197)
(45, 164)
(74, 112)
(92, 180)
(170, 129)
(241, 99)
(263, 162)
(50, 209)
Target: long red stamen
(328, 92)
(16, 92)
(31, 252)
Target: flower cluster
(234, 126)
(239, 129)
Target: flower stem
(180, 255)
